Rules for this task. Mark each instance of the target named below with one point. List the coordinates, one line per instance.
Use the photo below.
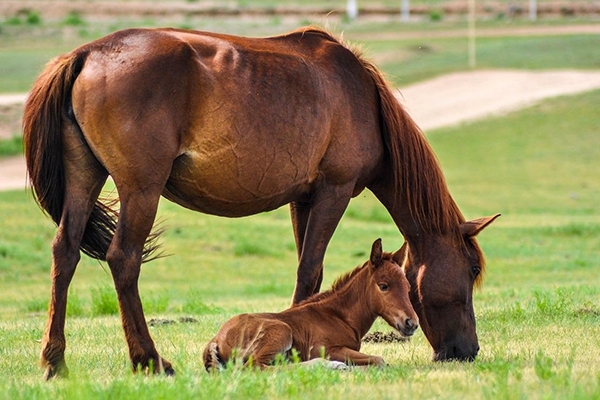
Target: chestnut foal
(329, 324)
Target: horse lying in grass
(329, 324)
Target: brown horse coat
(330, 324)
(234, 126)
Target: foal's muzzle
(408, 327)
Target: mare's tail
(48, 106)
(417, 175)
(212, 361)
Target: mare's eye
(475, 271)
(383, 287)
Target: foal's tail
(212, 361)
(48, 106)
(417, 174)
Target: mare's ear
(473, 227)
(376, 252)
(400, 256)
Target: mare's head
(442, 271)
(388, 291)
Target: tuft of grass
(436, 15)
(543, 366)
(104, 301)
(36, 305)
(555, 306)
(75, 306)
(155, 303)
(11, 147)
(195, 305)
(13, 21)
(33, 17)
(74, 18)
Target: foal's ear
(400, 256)
(376, 252)
(473, 227)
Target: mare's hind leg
(139, 204)
(84, 181)
(328, 204)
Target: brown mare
(235, 126)
(329, 324)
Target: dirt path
(444, 101)
(467, 96)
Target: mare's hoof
(153, 368)
(56, 371)
(169, 371)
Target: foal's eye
(475, 271)
(383, 287)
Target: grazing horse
(234, 126)
(329, 324)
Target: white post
(532, 10)
(405, 10)
(352, 9)
(472, 55)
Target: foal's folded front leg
(353, 357)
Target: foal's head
(389, 291)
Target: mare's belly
(235, 187)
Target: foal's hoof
(322, 362)
(338, 365)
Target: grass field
(538, 313)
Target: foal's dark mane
(342, 282)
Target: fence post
(352, 9)
(472, 53)
(405, 10)
(532, 10)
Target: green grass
(539, 161)
(410, 60)
(11, 147)
(538, 313)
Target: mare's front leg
(299, 213)
(353, 357)
(136, 217)
(327, 206)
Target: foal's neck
(352, 304)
